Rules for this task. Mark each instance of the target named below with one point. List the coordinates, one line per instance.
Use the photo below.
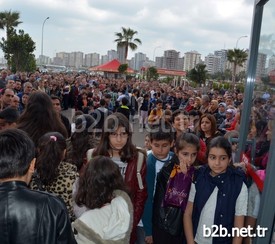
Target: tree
(126, 40)
(152, 73)
(20, 49)
(237, 57)
(9, 20)
(227, 74)
(265, 79)
(241, 76)
(217, 76)
(122, 68)
(198, 74)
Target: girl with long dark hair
(52, 173)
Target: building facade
(191, 59)
(222, 54)
(171, 60)
(212, 63)
(261, 65)
(271, 63)
(92, 59)
(112, 54)
(65, 57)
(139, 60)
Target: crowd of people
(111, 191)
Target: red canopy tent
(110, 67)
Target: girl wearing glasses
(116, 143)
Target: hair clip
(53, 138)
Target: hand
(242, 165)
(149, 239)
(183, 167)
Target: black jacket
(124, 110)
(67, 124)
(28, 216)
(100, 114)
(168, 219)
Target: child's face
(234, 147)
(181, 122)
(159, 106)
(118, 139)
(161, 148)
(218, 160)
(147, 144)
(187, 155)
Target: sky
(89, 25)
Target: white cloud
(89, 25)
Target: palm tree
(198, 74)
(237, 57)
(9, 20)
(126, 40)
(1, 22)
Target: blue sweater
(150, 181)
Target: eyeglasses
(116, 135)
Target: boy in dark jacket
(124, 109)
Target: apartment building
(191, 59)
(170, 60)
(92, 59)
(212, 63)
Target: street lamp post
(154, 52)
(43, 37)
(238, 40)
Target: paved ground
(138, 134)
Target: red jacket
(138, 196)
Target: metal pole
(250, 80)
(267, 210)
(238, 40)
(43, 37)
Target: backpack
(139, 165)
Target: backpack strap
(139, 166)
(89, 154)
